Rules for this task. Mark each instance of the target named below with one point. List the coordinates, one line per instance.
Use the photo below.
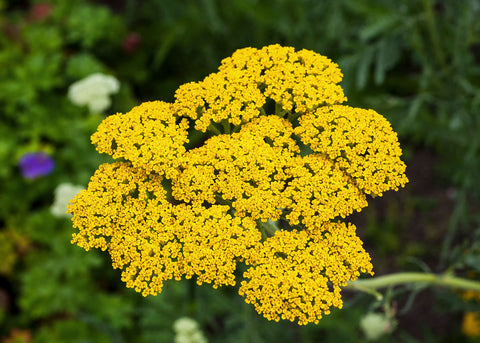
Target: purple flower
(35, 164)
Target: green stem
(267, 228)
(191, 296)
(447, 280)
(226, 126)
(279, 111)
(293, 116)
(212, 128)
(221, 201)
(454, 222)
(370, 291)
(432, 31)
(270, 227)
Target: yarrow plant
(63, 193)
(284, 162)
(187, 331)
(471, 320)
(94, 91)
(375, 325)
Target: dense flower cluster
(187, 331)
(471, 320)
(63, 193)
(471, 324)
(94, 91)
(375, 325)
(278, 146)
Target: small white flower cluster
(375, 325)
(187, 331)
(63, 194)
(94, 91)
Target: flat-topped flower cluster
(279, 146)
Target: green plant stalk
(212, 128)
(278, 109)
(226, 126)
(270, 227)
(453, 224)
(447, 280)
(432, 31)
(267, 228)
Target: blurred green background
(417, 62)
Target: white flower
(187, 331)
(375, 325)
(94, 91)
(63, 194)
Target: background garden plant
(415, 62)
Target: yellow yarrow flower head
(278, 146)
(296, 275)
(471, 324)
(150, 136)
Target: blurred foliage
(416, 62)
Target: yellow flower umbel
(471, 324)
(278, 145)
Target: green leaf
(364, 66)
(381, 27)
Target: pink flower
(132, 42)
(41, 11)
